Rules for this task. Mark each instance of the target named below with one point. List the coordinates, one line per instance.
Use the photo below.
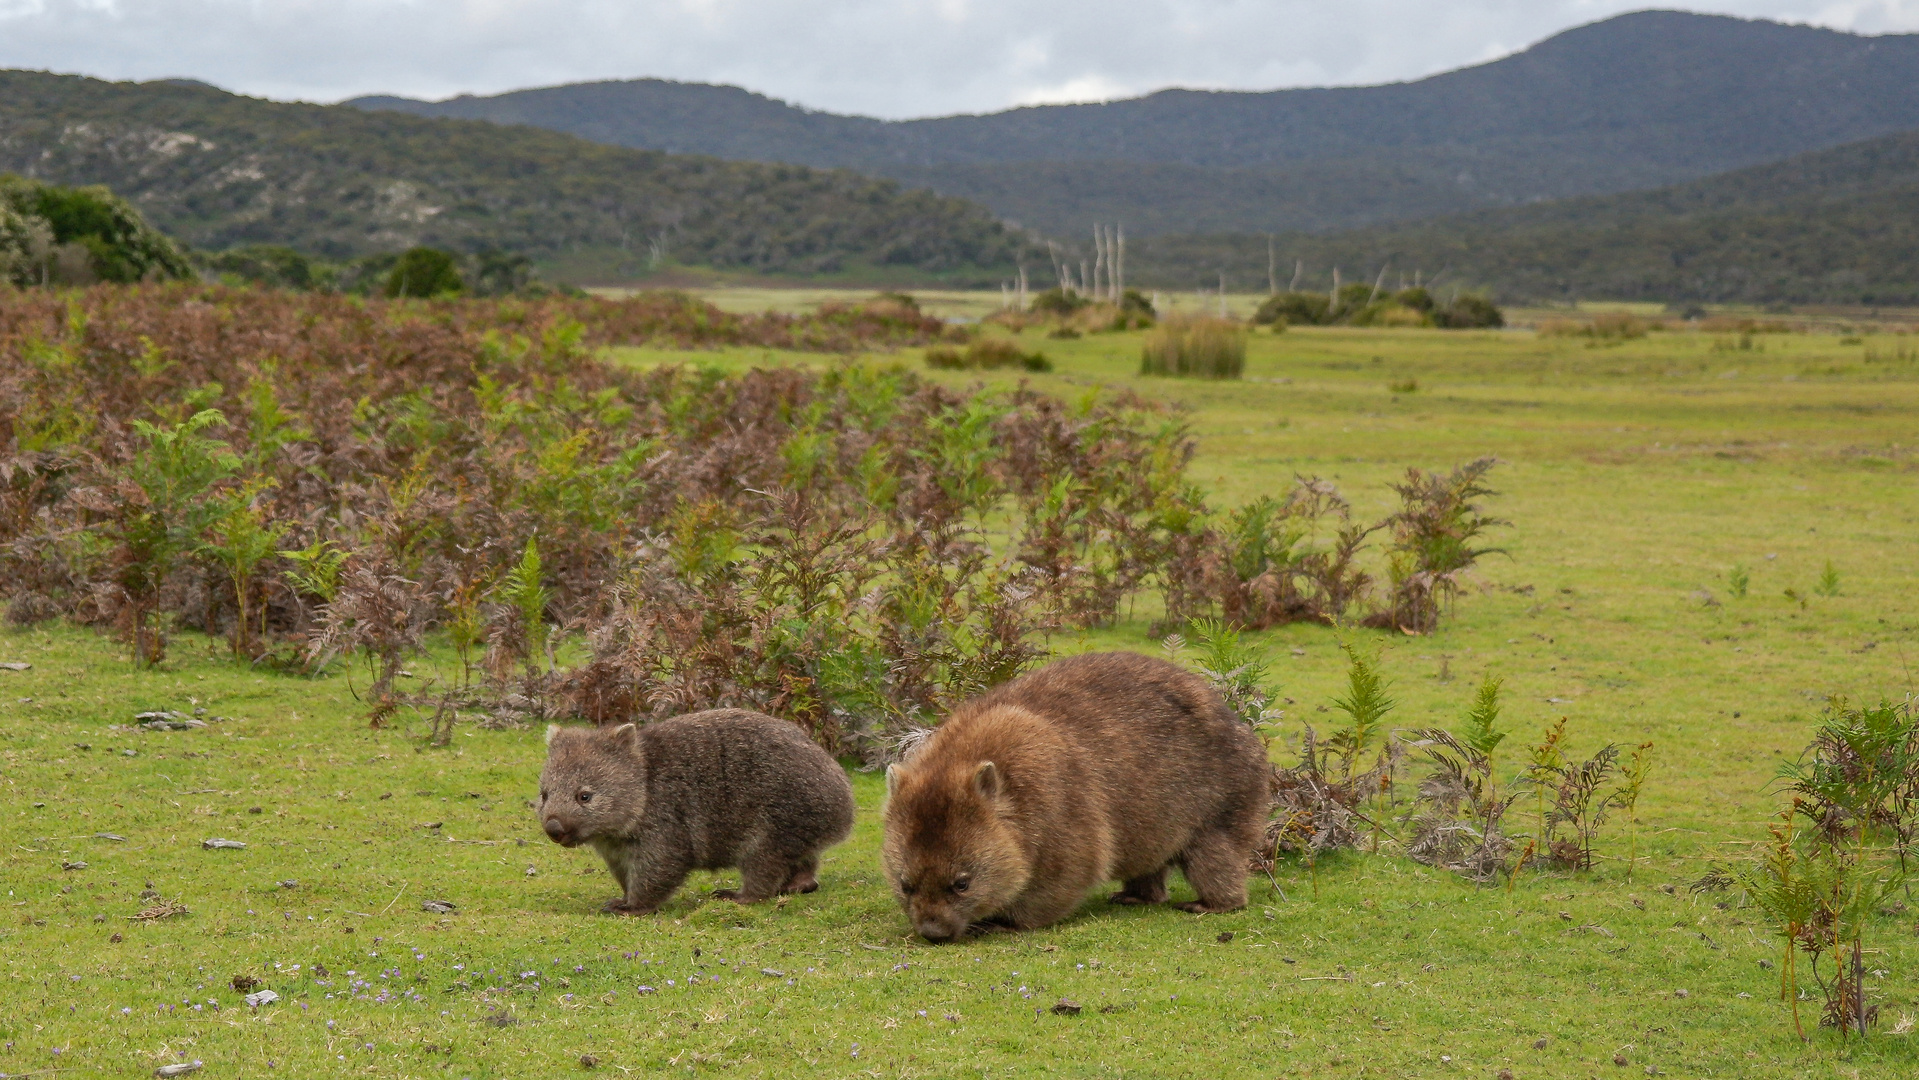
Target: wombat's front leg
(648, 884)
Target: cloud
(892, 58)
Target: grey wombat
(706, 791)
(1109, 767)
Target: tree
(424, 272)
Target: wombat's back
(1160, 751)
(731, 777)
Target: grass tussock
(1198, 347)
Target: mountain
(1636, 101)
(216, 170)
(1832, 226)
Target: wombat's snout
(938, 931)
(557, 832)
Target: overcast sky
(892, 58)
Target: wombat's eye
(542, 796)
(906, 889)
(586, 796)
(960, 885)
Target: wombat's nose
(935, 930)
(554, 829)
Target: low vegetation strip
(315, 477)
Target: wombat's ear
(551, 730)
(627, 735)
(892, 779)
(986, 781)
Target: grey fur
(705, 791)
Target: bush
(1469, 312)
(1195, 347)
(987, 354)
(270, 265)
(424, 272)
(78, 235)
(1293, 309)
(1057, 301)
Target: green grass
(1636, 476)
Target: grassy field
(1636, 476)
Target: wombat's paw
(727, 894)
(619, 906)
(1128, 898)
(801, 883)
(1200, 907)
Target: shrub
(78, 235)
(1608, 326)
(1057, 301)
(1294, 309)
(1468, 312)
(987, 354)
(271, 266)
(1195, 347)
(424, 272)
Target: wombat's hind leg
(1215, 865)
(619, 906)
(761, 875)
(805, 877)
(1144, 889)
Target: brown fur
(705, 791)
(1109, 767)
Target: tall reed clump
(1195, 346)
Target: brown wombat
(705, 791)
(1108, 767)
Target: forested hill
(1834, 226)
(217, 169)
(1634, 101)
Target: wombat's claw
(618, 906)
(1127, 898)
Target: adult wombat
(725, 788)
(1096, 768)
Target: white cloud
(889, 58)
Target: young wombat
(1109, 767)
(725, 788)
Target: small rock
(588, 1061)
(129, 752)
(439, 907)
(256, 810)
(1065, 1007)
(1668, 889)
(1681, 993)
(532, 871)
(109, 836)
(75, 865)
(116, 938)
(1620, 1059)
(217, 843)
(181, 1069)
(262, 997)
(1539, 1043)
(1505, 1074)
(1566, 915)
(289, 884)
(15, 665)
(1225, 937)
(1767, 964)
(1652, 1070)
(774, 972)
